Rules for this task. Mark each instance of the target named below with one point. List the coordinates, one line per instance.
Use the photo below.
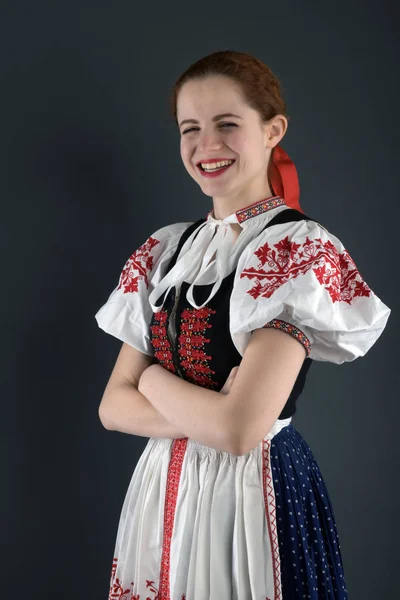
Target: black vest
(203, 352)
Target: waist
(277, 426)
(192, 445)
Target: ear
(275, 129)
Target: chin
(207, 193)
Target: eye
(222, 124)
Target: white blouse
(294, 276)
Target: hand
(228, 383)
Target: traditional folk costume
(203, 524)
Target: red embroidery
(259, 207)
(160, 342)
(171, 496)
(270, 513)
(294, 331)
(138, 266)
(287, 260)
(117, 591)
(194, 359)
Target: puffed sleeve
(127, 313)
(299, 278)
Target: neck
(223, 207)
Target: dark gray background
(90, 166)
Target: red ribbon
(283, 178)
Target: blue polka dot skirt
(201, 524)
(311, 562)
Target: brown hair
(262, 91)
(260, 86)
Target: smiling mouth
(218, 172)
(216, 168)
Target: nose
(209, 140)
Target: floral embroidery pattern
(160, 342)
(294, 331)
(117, 591)
(258, 207)
(287, 260)
(138, 266)
(120, 591)
(191, 342)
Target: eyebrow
(216, 118)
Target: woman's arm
(123, 408)
(201, 413)
(130, 412)
(238, 421)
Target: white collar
(215, 235)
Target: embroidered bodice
(284, 270)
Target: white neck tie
(215, 235)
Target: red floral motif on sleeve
(286, 260)
(138, 266)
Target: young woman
(220, 321)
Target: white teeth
(213, 166)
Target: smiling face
(242, 138)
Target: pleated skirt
(202, 524)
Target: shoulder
(162, 241)
(298, 276)
(285, 236)
(303, 254)
(173, 228)
(295, 246)
(148, 259)
(169, 234)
